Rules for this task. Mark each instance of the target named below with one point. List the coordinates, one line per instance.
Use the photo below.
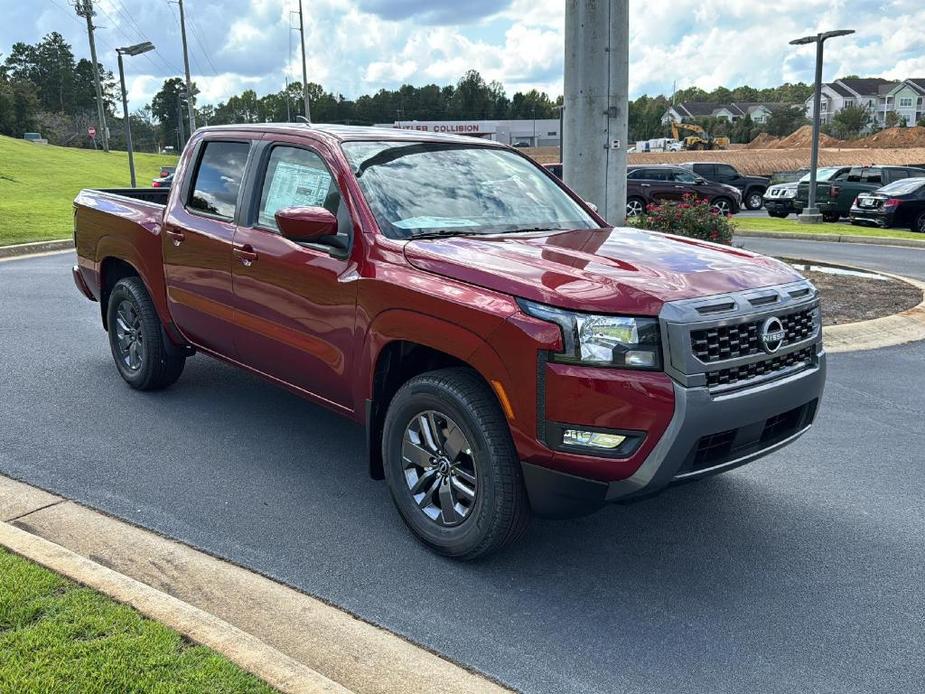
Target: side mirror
(305, 223)
(700, 182)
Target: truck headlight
(598, 340)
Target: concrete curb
(251, 654)
(20, 249)
(832, 238)
(293, 641)
(888, 331)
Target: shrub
(692, 217)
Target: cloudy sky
(360, 46)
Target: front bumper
(778, 205)
(708, 434)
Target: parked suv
(657, 183)
(506, 351)
(835, 197)
(751, 187)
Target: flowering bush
(693, 217)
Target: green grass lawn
(791, 224)
(38, 183)
(56, 636)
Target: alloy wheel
(633, 208)
(439, 468)
(754, 201)
(721, 206)
(129, 338)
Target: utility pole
(308, 113)
(85, 9)
(596, 117)
(189, 82)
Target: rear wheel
(136, 340)
(722, 205)
(754, 199)
(830, 216)
(635, 207)
(451, 466)
(919, 224)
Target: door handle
(245, 254)
(175, 236)
(645, 185)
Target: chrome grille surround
(714, 341)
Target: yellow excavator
(702, 140)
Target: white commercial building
(542, 132)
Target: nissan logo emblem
(772, 334)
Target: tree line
(44, 88)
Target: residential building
(691, 110)
(868, 92)
(906, 98)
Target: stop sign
(91, 132)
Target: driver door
(296, 302)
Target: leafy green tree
(785, 120)
(850, 122)
(165, 107)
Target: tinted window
(725, 171)
(424, 187)
(636, 174)
(295, 178)
(705, 170)
(657, 175)
(684, 176)
(872, 176)
(218, 178)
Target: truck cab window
(296, 178)
(218, 178)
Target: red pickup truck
(507, 350)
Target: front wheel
(830, 216)
(451, 466)
(754, 199)
(135, 338)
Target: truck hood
(604, 270)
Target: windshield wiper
(442, 233)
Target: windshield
(908, 185)
(427, 188)
(824, 174)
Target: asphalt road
(804, 571)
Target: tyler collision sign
(461, 127)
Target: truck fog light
(591, 439)
(638, 357)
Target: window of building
(218, 178)
(849, 102)
(905, 102)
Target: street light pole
(137, 49)
(811, 215)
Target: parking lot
(801, 572)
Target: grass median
(791, 225)
(56, 636)
(38, 184)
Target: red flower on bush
(693, 217)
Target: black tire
(779, 215)
(150, 366)
(499, 511)
(830, 216)
(753, 199)
(635, 207)
(724, 205)
(919, 224)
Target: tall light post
(137, 49)
(811, 214)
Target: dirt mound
(894, 137)
(804, 138)
(763, 141)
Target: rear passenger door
(296, 302)
(196, 242)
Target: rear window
(903, 187)
(218, 178)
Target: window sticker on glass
(294, 185)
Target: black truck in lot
(751, 187)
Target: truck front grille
(741, 340)
(733, 375)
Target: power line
(198, 36)
(123, 12)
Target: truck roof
(344, 133)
